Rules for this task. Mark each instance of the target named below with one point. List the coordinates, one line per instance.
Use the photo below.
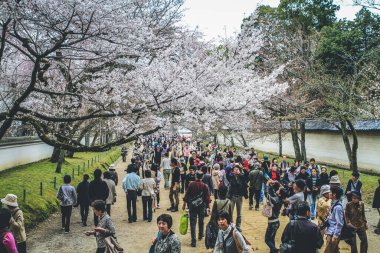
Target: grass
(29, 176)
(370, 182)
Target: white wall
(327, 147)
(14, 155)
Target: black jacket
(324, 179)
(83, 193)
(309, 184)
(238, 186)
(307, 236)
(207, 179)
(98, 190)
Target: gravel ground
(49, 238)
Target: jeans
(194, 213)
(363, 241)
(183, 177)
(256, 193)
(270, 236)
(131, 205)
(173, 195)
(66, 215)
(147, 208)
(312, 199)
(166, 178)
(21, 247)
(238, 201)
(84, 208)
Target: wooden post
(73, 173)
(92, 161)
(78, 169)
(24, 196)
(41, 188)
(88, 164)
(84, 166)
(55, 182)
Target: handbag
(289, 246)
(112, 246)
(267, 208)
(238, 244)
(348, 231)
(183, 225)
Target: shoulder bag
(112, 246)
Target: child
(353, 184)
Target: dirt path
(49, 238)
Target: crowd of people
(213, 180)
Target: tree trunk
(354, 149)
(70, 154)
(61, 159)
(55, 156)
(280, 140)
(279, 143)
(232, 141)
(244, 142)
(296, 145)
(95, 138)
(215, 139)
(303, 140)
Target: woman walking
(68, 197)
(105, 226)
(148, 186)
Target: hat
(325, 189)
(216, 166)
(10, 200)
(182, 160)
(356, 194)
(334, 180)
(266, 158)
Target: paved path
(49, 238)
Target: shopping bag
(183, 223)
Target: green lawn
(36, 207)
(369, 181)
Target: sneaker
(158, 206)
(250, 207)
(257, 209)
(66, 232)
(174, 209)
(193, 244)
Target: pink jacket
(9, 242)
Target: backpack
(113, 175)
(237, 242)
(211, 235)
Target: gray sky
(220, 17)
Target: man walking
(98, 190)
(306, 234)
(174, 187)
(167, 170)
(256, 179)
(84, 198)
(131, 183)
(237, 189)
(197, 197)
